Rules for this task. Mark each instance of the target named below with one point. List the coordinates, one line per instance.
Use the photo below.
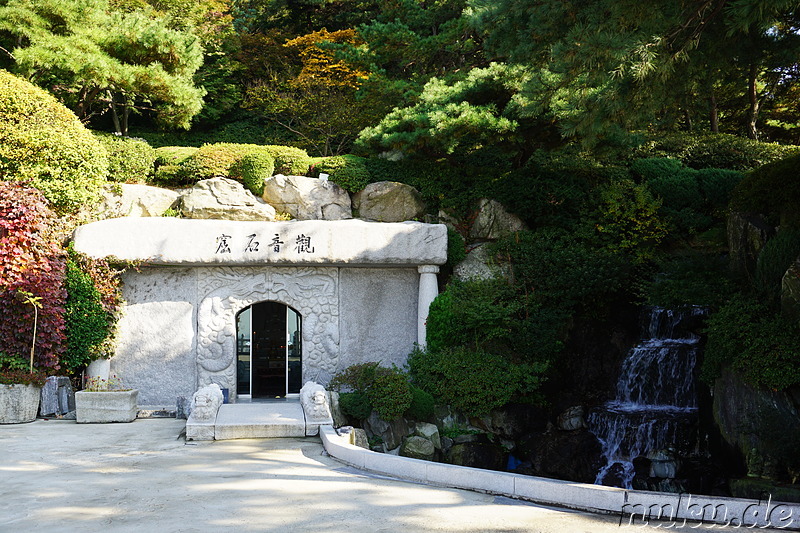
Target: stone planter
(106, 406)
(19, 403)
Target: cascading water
(655, 395)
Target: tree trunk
(688, 116)
(714, 114)
(115, 113)
(755, 103)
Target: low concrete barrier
(632, 506)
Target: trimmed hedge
(129, 160)
(718, 150)
(772, 190)
(252, 170)
(348, 171)
(44, 143)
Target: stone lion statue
(206, 402)
(315, 403)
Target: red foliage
(31, 262)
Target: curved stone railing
(631, 505)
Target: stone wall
(178, 329)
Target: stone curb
(630, 505)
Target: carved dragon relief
(311, 291)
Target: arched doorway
(268, 351)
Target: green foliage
(757, 343)
(43, 143)
(775, 258)
(441, 183)
(390, 394)
(355, 404)
(252, 170)
(88, 323)
(369, 386)
(32, 266)
(347, 171)
(226, 160)
(456, 247)
(471, 381)
(129, 160)
(461, 117)
(173, 155)
(772, 190)
(422, 405)
(720, 150)
(696, 279)
(552, 188)
(717, 187)
(97, 59)
(627, 220)
(289, 160)
(654, 168)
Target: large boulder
(429, 432)
(391, 433)
(417, 448)
(747, 235)
(307, 198)
(477, 452)
(790, 292)
(477, 265)
(759, 424)
(493, 221)
(389, 201)
(128, 200)
(223, 198)
(569, 455)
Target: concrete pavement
(144, 477)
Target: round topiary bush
(44, 143)
(129, 160)
(252, 170)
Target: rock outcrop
(307, 198)
(225, 199)
(389, 201)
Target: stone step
(260, 420)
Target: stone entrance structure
(362, 290)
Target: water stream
(655, 396)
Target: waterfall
(655, 395)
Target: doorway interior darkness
(268, 351)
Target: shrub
(43, 143)
(369, 386)
(471, 381)
(355, 404)
(717, 186)
(774, 260)
(772, 190)
(690, 280)
(252, 170)
(129, 160)
(31, 261)
(347, 171)
(88, 323)
(173, 155)
(552, 188)
(214, 160)
(627, 220)
(422, 405)
(656, 167)
(759, 344)
(715, 150)
(289, 160)
(390, 394)
(456, 247)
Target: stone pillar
(428, 290)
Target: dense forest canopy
(423, 77)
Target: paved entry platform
(260, 420)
